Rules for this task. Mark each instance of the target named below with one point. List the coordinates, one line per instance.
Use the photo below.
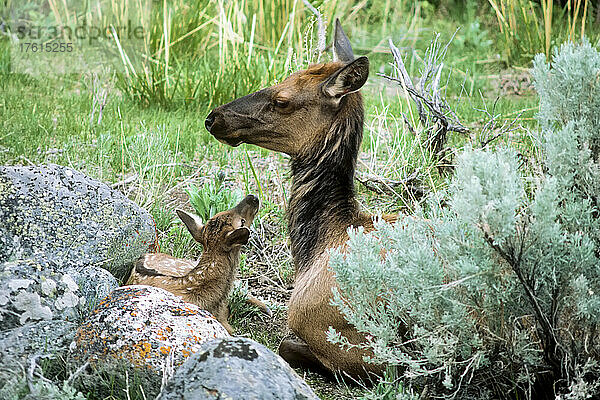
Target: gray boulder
(33, 290)
(42, 337)
(237, 369)
(32, 342)
(57, 228)
(58, 214)
(94, 285)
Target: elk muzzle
(235, 122)
(216, 125)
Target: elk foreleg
(298, 355)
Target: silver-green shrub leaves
(487, 191)
(568, 87)
(503, 284)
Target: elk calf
(208, 281)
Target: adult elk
(316, 117)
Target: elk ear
(342, 51)
(348, 79)
(192, 222)
(238, 236)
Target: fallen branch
(437, 113)
(433, 110)
(389, 186)
(77, 373)
(491, 131)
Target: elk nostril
(208, 123)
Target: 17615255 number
(54, 47)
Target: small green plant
(161, 216)
(474, 36)
(213, 197)
(178, 242)
(390, 387)
(245, 268)
(239, 308)
(117, 381)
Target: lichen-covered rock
(58, 214)
(50, 339)
(41, 337)
(94, 285)
(236, 369)
(145, 327)
(33, 290)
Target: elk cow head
(295, 115)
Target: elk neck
(322, 202)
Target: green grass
(152, 143)
(213, 198)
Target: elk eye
(281, 103)
(243, 222)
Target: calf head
(226, 230)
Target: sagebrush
(495, 295)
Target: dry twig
(434, 112)
(390, 186)
(321, 32)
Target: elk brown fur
(316, 117)
(207, 281)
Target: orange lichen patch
(142, 326)
(137, 353)
(144, 349)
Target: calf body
(207, 281)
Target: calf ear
(192, 222)
(238, 236)
(342, 50)
(347, 79)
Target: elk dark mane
(316, 117)
(323, 194)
